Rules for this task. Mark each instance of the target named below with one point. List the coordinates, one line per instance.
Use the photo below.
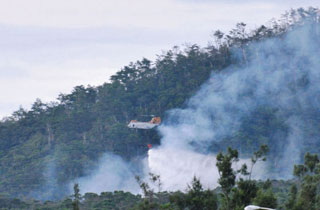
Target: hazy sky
(50, 46)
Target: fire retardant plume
(177, 167)
(273, 98)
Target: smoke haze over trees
(244, 90)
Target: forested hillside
(62, 140)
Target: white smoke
(177, 167)
(280, 73)
(112, 173)
(50, 190)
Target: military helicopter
(154, 122)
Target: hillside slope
(61, 141)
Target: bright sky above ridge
(48, 47)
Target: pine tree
(76, 197)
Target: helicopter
(154, 122)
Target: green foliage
(299, 170)
(147, 205)
(244, 193)
(110, 200)
(307, 197)
(259, 155)
(265, 199)
(238, 193)
(227, 178)
(76, 197)
(195, 198)
(92, 120)
(311, 161)
(75, 131)
(291, 202)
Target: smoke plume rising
(281, 75)
(112, 174)
(276, 92)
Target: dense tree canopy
(71, 134)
